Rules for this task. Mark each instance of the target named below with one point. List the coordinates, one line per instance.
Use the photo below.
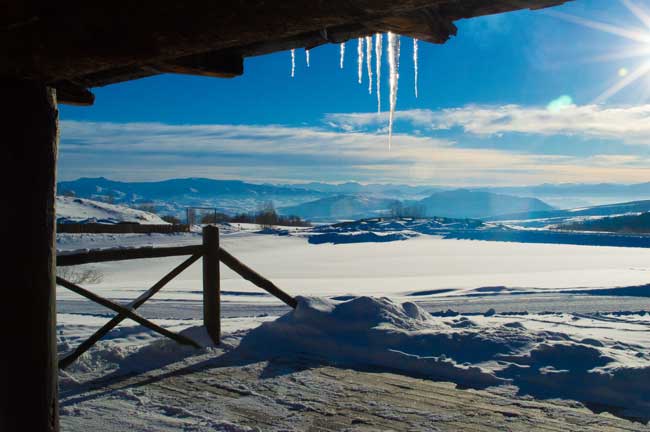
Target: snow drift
(376, 333)
(544, 355)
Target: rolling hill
(80, 210)
(629, 224)
(463, 203)
(340, 207)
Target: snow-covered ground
(401, 269)
(81, 210)
(533, 316)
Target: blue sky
(519, 98)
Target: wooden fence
(211, 253)
(121, 228)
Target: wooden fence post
(211, 283)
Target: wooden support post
(28, 370)
(211, 283)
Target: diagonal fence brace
(92, 340)
(126, 312)
(255, 278)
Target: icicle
(307, 56)
(415, 65)
(293, 63)
(398, 49)
(393, 64)
(369, 62)
(342, 53)
(378, 52)
(360, 59)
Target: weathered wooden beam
(125, 254)
(210, 64)
(427, 25)
(67, 40)
(257, 279)
(116, 75)
(85, 345)
(126, 312)
(28, 375)
(211, 283)
(73, 94)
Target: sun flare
(639, 35)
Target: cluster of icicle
(393, 54)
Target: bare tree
(78, 275)
(399, 210)
(266, 215)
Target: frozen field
(521, 315)
(415, 268)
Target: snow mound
(378, 334)
(81, 210)
(365, 332)
(112, 356)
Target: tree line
(265, 215)
(401, 210)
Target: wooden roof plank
(98, 43)
(73, 94)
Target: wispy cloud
(627, 124)
(267, 141)
(147, 151)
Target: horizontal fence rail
(120, 228)
(89, 257)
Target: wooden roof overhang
(75, 45)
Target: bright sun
(641, 48)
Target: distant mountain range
(575, 189)
(381, 190)
(166, 189)
(172, 196)
(602, 210)
(570, 195)
(458, 203)
(233, 196)
(324, 201)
